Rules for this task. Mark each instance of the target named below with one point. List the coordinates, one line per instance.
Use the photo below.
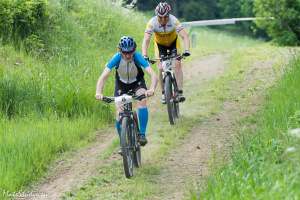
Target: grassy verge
(209, 41)
(265, 163)
(27, 151)
(47, 101)
(110, 182)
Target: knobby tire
(126, 150)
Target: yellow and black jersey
(164, 35)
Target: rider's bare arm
(146, 42)
(101, 81)
(186, 40)
(154, 80)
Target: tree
(284, 27)
(229, 8)
(198, 10)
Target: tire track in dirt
(211, 140)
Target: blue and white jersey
(128, 71)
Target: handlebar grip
(107, 100)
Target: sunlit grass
(265, 164)
(209, 41)
(27, 145)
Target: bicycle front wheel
(126, 147)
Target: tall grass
(84, 38)
(210, 41)
(47, 101)
(265, 165)
(26, 151)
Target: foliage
(188, 9)
(284, 28)
(22, 19)
(198, 10)
(47, 103)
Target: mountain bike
(170, 85)
(131, 150)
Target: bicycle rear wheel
(169, 99)
(126, 147)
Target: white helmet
(162, 9)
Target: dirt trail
(210, 141)
(189, 162)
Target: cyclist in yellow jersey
(166, 29)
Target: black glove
(186, 53)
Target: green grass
(77, 48)
(261, 165)
(26, 151)
(210, 41)
(47, 104)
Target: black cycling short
(164, 50)
(122, 88)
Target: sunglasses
(165, 17)
(127, 53)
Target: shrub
(21, 19)
(284, 28)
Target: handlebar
(123, 98)
(153, 61)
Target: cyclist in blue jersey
(130, 66)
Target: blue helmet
(127, 44)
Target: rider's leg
(179, 74)
(179, 79)
(118, 91)
(143, 116)
(160, 50)
(118, 127)
(161, 82)
(117, 122)
(142, 112)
